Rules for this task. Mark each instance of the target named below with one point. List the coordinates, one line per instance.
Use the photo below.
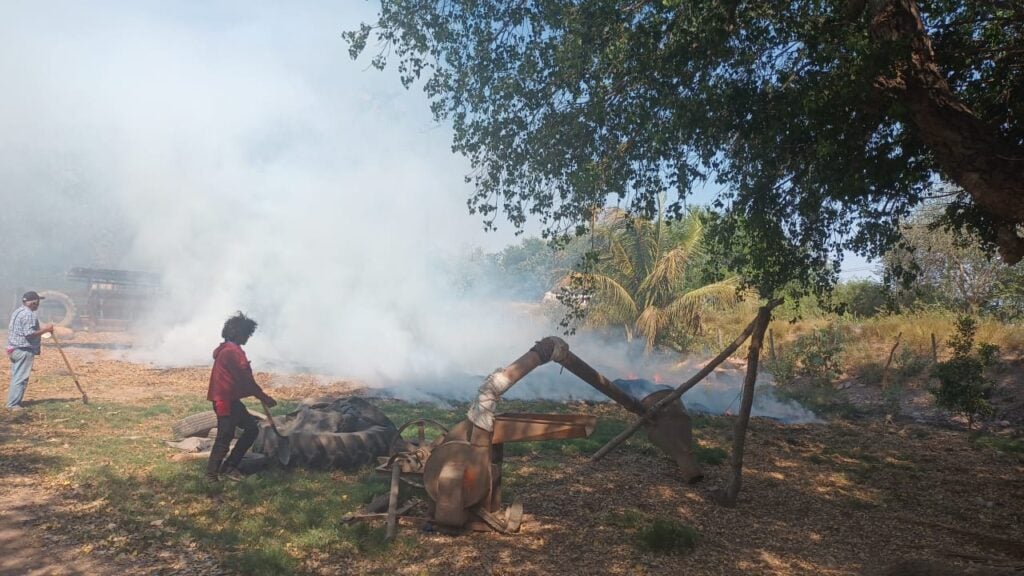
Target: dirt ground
(838, 498)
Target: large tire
(60, 299)
(315, 439)
(195, 425)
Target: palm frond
(666, 276)
(650, 323)
(718, 296)
(612, 303)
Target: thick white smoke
(243, 155)
(235, 148)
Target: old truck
(108, 300)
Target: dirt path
(25, 550)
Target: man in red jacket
(230, 381)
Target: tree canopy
(951, 271)
(825, 122)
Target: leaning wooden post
(885, 371)
(674, 396)
(764, 315)
(935, 350)
(771, 346)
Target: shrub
(910, 364)
(870, 373)
(814, 355)
(963, 387)
(668, 537)
(988, 354)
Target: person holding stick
(24, 343)
(231, 380)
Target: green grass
(1013, 445)
(624, 518)
(114, 455)
(664, 536)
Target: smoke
(626, 364)
(235, 149)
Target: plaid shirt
(23, 323)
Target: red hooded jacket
(231, 378)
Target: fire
(657, 378)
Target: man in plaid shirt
(24, 340)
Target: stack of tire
(331, 432)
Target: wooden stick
(647, 416)
(392, 527)
(885, 371)
(85, 397)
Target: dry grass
(838, 499)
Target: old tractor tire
(333, 432)
(195, 425)
(60, 299)
(253, 462)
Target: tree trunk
(732, 491)
(970, 152)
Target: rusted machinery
(110, 299)
(461, 468)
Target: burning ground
(96, 486)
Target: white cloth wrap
(481, 412)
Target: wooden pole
(771, 346)
(935, 350)
(764, 315)
(676, 394)
(392, 523)
(885, 371)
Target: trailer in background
(109, 299)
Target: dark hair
(238, 328)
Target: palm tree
(639, 281)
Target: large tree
(950, 270)
(825, 121)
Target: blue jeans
(21, 367)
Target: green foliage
(814, 356)
(962, 341)
(963, 387)
(910, 364)
(639, 280)
(933, 265)
(860, 298)
(624, 518)
(664, 536)
(1005, 444)
(988, 354)
(793, 107)
(711, 456)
